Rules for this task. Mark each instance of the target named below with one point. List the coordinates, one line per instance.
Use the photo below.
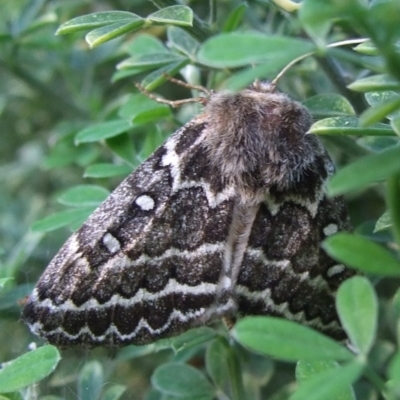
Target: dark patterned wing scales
(285, 272)
(146, 264)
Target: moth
(225, 219)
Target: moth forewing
(224, 219)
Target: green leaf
(367, 170)
(348, 126)
(104, 170)
(61, 219)
(357, 307)
(157, 77)
(375, 83)
(286, 340)
(4, 282)
(363, 254)
(328, 105)
(180, 40)
(367, 48)
(28, 368)
(223, 366)
(114, 392)
(382, 96)
(394, 376)
(109, 32)
(231, 50)
(190, 338)
(140, 109)
(122, 146)
(175, 15)
(395, 124)
(96, 20)
(317, 16)
(90, 381)
(103, 130)
(83, 196)
(145, 44)
(384, 222)
(392, 199)
(217, 362)
(308, 370)
(182, 381)
(145, 61)
(377, 144)
(132, 351)
(379, 112)
(329, 384)
(234, 18)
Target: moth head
(258, 135)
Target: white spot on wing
(111, 243)
(330, 229)
(336, 269)
(145, 202)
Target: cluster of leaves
(92, 125)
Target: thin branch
(332, 69)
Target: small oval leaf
(181, 380)
(63, 218)
(109, 32)
(357, 307)
(175, 15)
(96, 20)
(384, 222)
(241, 49)
(83, 196)
(328, 105)
(102, 131)
(348, 126)
(307, 370)
(328, 384)
(104, 170)
(370, 169)
(90, 381)
(375, 82)
(287, 340)
(363, 254)
(28, 368)
(139, 109)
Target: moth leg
(229, 322)
(225, 305)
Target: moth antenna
(188, 85)
(302, 57)
(171, 103)
(283, 71)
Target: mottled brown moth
(225, 219)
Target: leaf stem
(235, 376)
(377, 381)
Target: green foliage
(68, 111)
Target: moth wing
(285, 272)
(146, 264)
